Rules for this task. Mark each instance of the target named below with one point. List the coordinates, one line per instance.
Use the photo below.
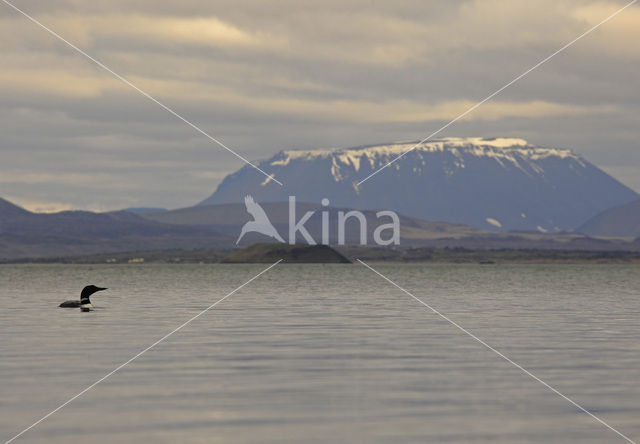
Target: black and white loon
(84, 303)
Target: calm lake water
(321, 353)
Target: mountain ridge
(10, 210)
(80, 233)
(67, 233)
(621, 220)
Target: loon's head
(85, 303)
(89, 290)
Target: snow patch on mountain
(514, 151)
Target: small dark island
(292, 254)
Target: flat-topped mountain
(499, 184)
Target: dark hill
(9, 211)
(298, 253)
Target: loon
(84, 303)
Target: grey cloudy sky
(269, 75)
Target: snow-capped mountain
(501, 183)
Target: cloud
(263, 76)
(86, 29)
(26, 177)
(54, 82)
(47, 82)
(619, 37)
(40, 206)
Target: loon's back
(84, 303)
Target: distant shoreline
(407, 255)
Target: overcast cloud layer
(269, 75)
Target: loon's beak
(101, 288)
